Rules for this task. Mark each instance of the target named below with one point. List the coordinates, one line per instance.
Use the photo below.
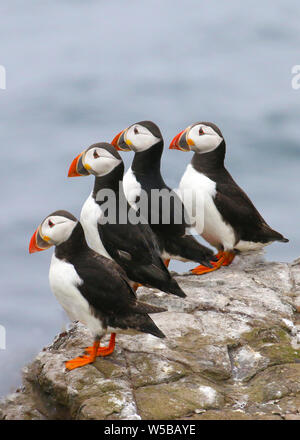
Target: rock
(174, 400)
(292, 417)
(232, 352)
(247, 362)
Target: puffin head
(98, 159)
(138, 137)
(201, 137)
(53, 231)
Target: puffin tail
(190, 249)
(274, 235)
(152, 328)
(284, 240)
(144, 323)
(158, 276)
(175, 289)
(141, 307)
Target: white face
(139, 138)
(202, 138)
(99, 161)
(56, 229)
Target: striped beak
(38, 243)
(119, 142)
(77, 168)
(180, 141)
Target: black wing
(129, 243)
(237, 209)
(106, 286)
(107, 289)
(135, 249)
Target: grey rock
(232, 352)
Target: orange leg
(83, 360)
(136, 286)
(167, 262)
(104, 351)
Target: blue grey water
(78, 72)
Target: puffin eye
(50, 223)
(95, 154)
(201, 131)
(136, 130)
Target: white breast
(64, 281)
(89, 218)
(197, 192)
(132, 188)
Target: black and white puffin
(133, 246)
(145, 139)
(91, 288)
(231, 223)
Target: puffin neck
(148, 160)
(75, 243)
(110, 180)
(209, 162)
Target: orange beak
(73, 168)
(77, 169)
(33, 247)
(35, 239)
(116, 140)
(119, 142)
(179, 142)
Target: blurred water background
(79, 72)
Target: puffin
(113, 228)
(91, 288)
(231, 223)
(169, 220)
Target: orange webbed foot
(200, 270)
(229, 257)
(81, 361)
(104, 351)
(224, 259)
